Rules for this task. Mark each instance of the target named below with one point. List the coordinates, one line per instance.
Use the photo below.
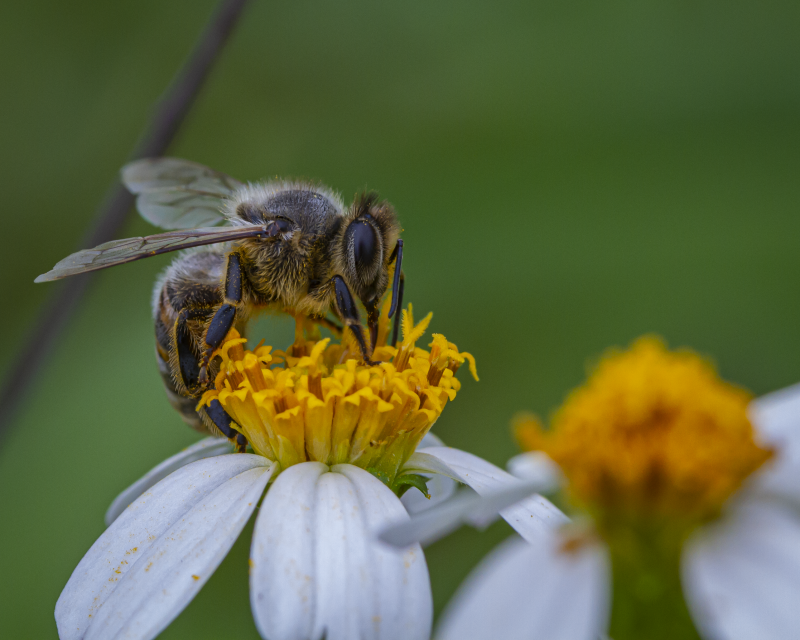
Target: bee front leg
(398, 284)
(397, 317)
(348, 312)
(224, 316)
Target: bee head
(369, 236)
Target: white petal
(530, 516)
(282, 574)
(742, 574)
(535, 465)
(317, 570)
(430, 440)
(387, 589)
(779, 477)
(206, 448)
(180, 562)
(343, 569)
(777, 418)
(777, 414)
(465, 508)
(140, 571)
(532, 592)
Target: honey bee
(286, 246)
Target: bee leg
(222, 421)
(397, 294)
(398, 284)
(185, 359)
(372, 322)
(225, 315)
(400, 304)
(189, 370)
(348, 311)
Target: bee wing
(178, 194)
(130, 249)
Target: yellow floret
(316, 401)
(651, 432)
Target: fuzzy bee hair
(250, 203)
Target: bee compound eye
(364, 243)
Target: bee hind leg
(187, 370)
(222, 421)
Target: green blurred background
(570, 175)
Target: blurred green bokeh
(569, 176)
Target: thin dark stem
(168, 115)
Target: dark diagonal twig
(168, 114)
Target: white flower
(330, 437)
(316, 568)
(740, 573)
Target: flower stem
(648, 599)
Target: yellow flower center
(316, 401)
(652, 432)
